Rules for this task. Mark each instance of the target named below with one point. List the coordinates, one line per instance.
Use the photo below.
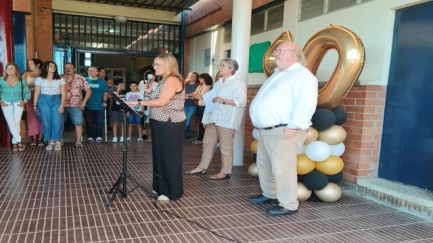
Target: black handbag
(24, 115)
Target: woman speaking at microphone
(167, 122)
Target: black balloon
(323, 119)
(336, 178)
(314, 198)
(315, 180)
(300, 178)
(340, 115)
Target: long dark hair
(38, 63)
(45, 67)
(207, 78)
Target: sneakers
(139, 140)
(163, 198)
(114, 140)
(58, 146)
(50, 146)
(99, 140)
(121, 139)
(128, 139)
(90, 140)
(78, 144)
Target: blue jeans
(189, 113)
(52, 120)
(75, 114)
(94, 121)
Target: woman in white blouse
(49, 102)
(222, 123)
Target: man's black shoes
(280, 211)
(260, 199)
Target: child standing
(134, 119)
(117, 114)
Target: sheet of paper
(207, 98)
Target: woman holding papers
(205, 85)
(222, 123)
(167, 123)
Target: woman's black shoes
(192, 172)
(216, 178)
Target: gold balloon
(333, 135)
(331, 165)
(330, 193)
(351, 56)
(303, 192)
(269, 58)
(254, 145)
(252, 170)
(312, 135)
(304, 165)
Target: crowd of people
(170, 102)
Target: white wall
(373, 22)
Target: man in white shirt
(282, 110)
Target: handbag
(195, 102)
(24, 115)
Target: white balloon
(338, 149)
(256, 134)
(302, 149)
(318, 151)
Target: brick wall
(365, 110)
(39, 38)
(21, 5)
(44, 33)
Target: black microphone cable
(155, 203)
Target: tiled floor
(61, 196)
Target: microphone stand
(120, 184)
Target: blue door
(407, 143)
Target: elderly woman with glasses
(222, 123)
(167, 122)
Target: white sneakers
(163, 198)
(139, 140)
(115, 140)
(99, 140)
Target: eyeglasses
(156, 65)
(278, 51)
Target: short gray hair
(232, 63)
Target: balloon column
(319, 164)
(252, 170)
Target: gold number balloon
(269, 59)
(351, 56)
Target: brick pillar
(365, 110)
(44, 30)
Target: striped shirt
(15, 93)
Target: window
(269, 19)
(227, 34)
(313, 8)
(95, 32)
(87, 59)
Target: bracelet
(224, 102)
